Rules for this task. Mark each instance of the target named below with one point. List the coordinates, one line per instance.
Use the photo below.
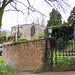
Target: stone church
(28, 31)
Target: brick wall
(24, 56)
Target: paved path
(44, 73)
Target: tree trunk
(1, 14)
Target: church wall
(25, 30)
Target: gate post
(74, 36)
(48, 61)
(51, 48)
(46, 50)
(47, 55)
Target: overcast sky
(13, 18)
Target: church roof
(27, 24)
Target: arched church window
(32, 31)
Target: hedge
(3, 38)
(60, 30)
(11, 37)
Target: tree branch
(30, 7)
(16, 8)
(59, 4)
(48, 3)
(6, 3)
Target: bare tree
(29, 7)
(41, 20)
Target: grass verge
(5, 68)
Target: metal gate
(59, 49)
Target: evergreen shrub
(60, 30)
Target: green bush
(11, 37)
(66, 61)
(3, 38)
(7, 69)
(60, 44)
(60, 30)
